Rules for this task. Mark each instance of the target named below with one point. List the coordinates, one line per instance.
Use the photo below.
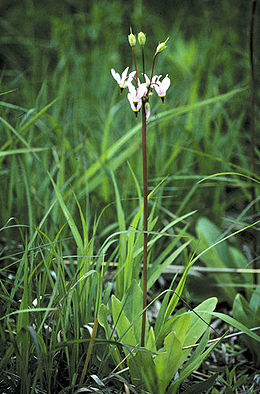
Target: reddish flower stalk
(138, 97)
(145, 205)
(145, 216)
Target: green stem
(145, 215)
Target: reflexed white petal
(132, 74)
(132, 89)
(157, 88)
(166, 82)
(162, 86)
(135, 106)
(147, 80)
(154, 79)
(130, 98)
(124, 79)
(130, 78)
(124, 74)
(116, 76)
(141, 91)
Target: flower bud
(161, 46)
(141, 38)
(147, 110)
(131, 38)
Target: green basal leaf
(167, 359)
(242, 311)
(103, 321)
(191, 366)
(123, 326)
(218, 256)
(150, 343)
(143, 372)
(133, 306)
(199, 323)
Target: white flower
(135, 96)
(123, 80)
(162, 86)
(135, 106)
(150, 83)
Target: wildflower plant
(139, 92)
(138, 97)
(64, 320)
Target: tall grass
(83, 124)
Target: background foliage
(63, 119)
(65, 52)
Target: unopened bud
(141, 38)
(161, 46)
(131, 38)
(147, 110)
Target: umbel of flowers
(140, 89)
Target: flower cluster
(139, 92)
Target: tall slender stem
(145, 216)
